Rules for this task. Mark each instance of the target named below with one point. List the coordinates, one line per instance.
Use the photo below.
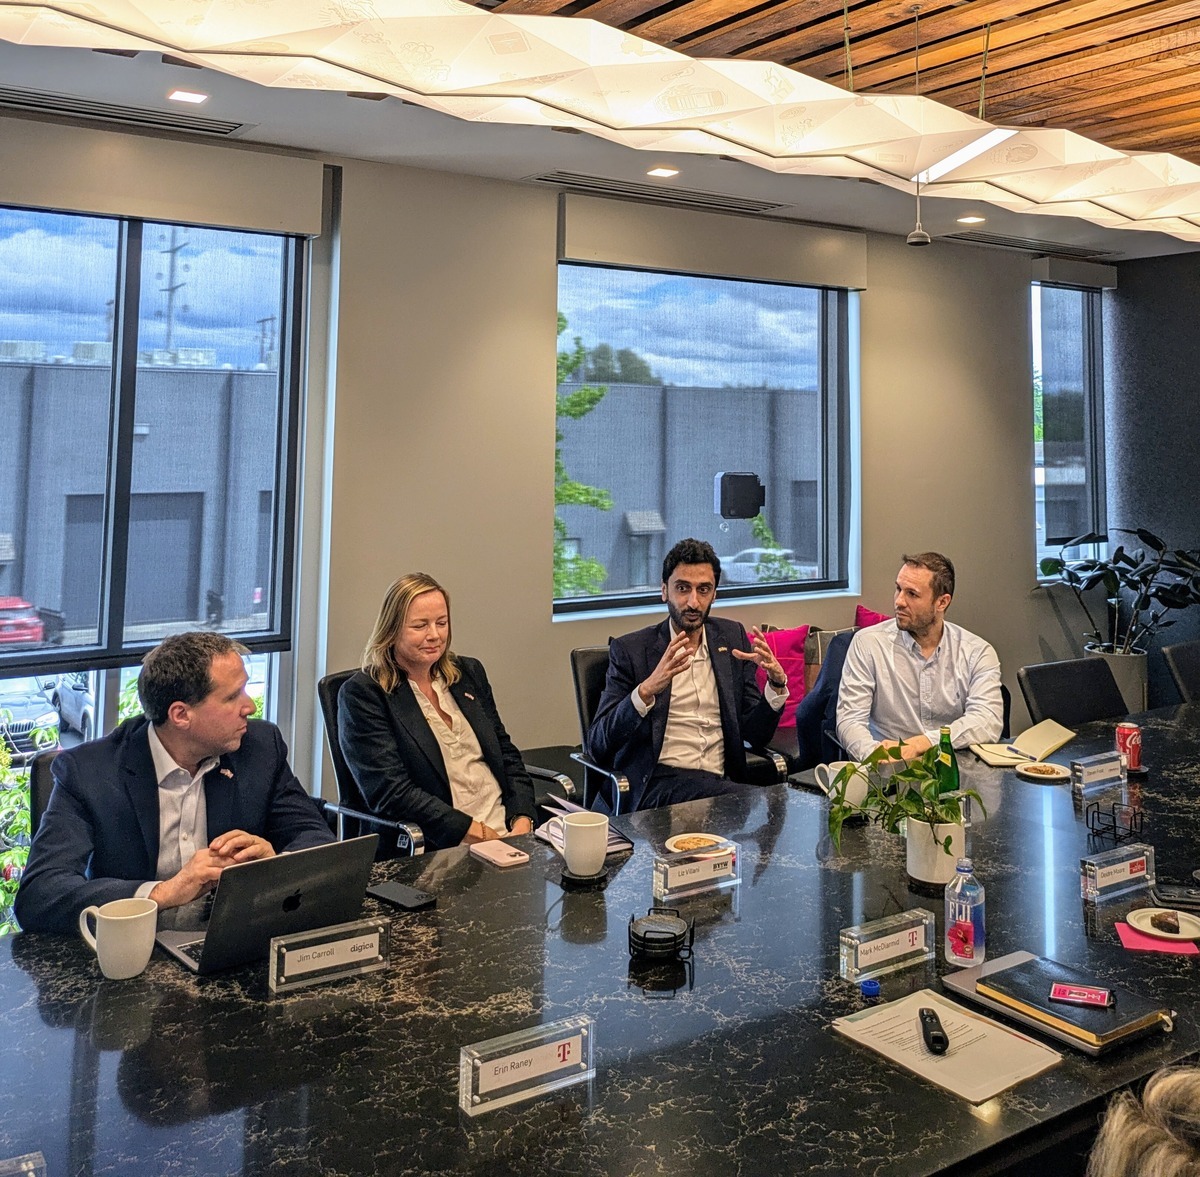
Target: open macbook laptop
(268, 897)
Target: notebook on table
(267, 897)
(1018, 986)
(1035, 743)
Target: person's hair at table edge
(1156, 1136)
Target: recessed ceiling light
(663, 173)
(192, 96)
(973, 219)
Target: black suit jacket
(98, 839)
(397, 761)
(623, 740)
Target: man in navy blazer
(681, 697)
(163, 804)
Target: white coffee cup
(826, 776)
(584, 841)
(124, 936)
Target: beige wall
(445, 432)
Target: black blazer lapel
(141, 786)
(466, 696)
(220, 791)
(727, 695)
(411, 718)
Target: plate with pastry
(1043, 773)
(682, 842)
(1167, 923)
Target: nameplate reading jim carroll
(530, 1064)
(327, 954)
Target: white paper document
(984, 1058)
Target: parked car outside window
(20, 624)
(27, 725)
(75, 703)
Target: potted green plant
(912, 792)
(1142, 586)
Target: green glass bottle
(947, 763)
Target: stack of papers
(984, 1059)
(1035, 744)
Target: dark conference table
(728, 1067)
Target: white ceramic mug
(584, 841)
(856, 787)
(124, 936)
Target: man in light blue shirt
(905, 679)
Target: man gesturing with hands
(681, 697)
(164, 804)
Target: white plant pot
(927, 861)
(1130, 672)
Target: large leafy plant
(1141, 587)
(898, 791)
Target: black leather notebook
(1024, 989)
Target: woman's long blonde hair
(379, 658)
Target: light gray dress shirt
(890, 692)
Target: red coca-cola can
(1129, 744)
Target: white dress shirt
(474, 789)
(182, 812)
(890, 692)
(693, 738)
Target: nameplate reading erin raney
(692, 872)
(328, 954)
(525, 1064)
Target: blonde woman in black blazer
(420, 730)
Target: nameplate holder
(694, 872)
(525, 1064)
(1090, 772)
(328, 954)
(885, 945)
(1116, 872)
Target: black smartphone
(403, 896)
(1185, 895)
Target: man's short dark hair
(179, 670)
(942, 569)
(691, 551)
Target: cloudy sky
(696, 331)
(58, 274)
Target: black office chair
(589, 669)
(41, 784)
(1006, 701)
(1183, 661)
(1074, 691)
(396, 838)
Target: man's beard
(681, 623)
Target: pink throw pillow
(864, 617)
(788, 646)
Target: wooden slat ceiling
(1121, 73)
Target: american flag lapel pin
(227, 772)
(469, 696)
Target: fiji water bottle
(964, 917)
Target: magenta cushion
(788, 646)
(864, 617)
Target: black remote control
(931, 1030)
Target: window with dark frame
(150, 385)
(668, 379)
(1068, 398)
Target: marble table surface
(728, 1065)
